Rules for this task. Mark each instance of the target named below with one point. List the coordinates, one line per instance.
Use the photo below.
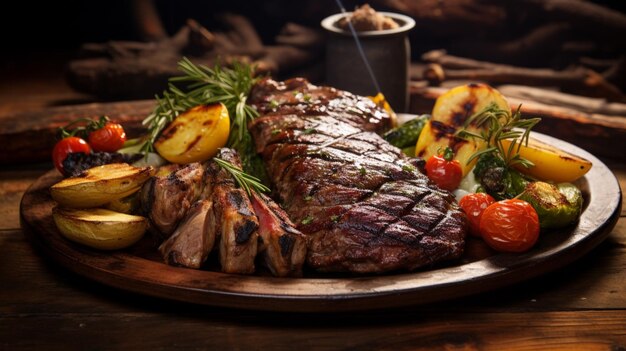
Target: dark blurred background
(42, 37)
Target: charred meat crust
(234, 219)
(168, 195)
(363, 205)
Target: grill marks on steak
(363, 205)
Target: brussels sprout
(407, 134)
(498, 180)
(557, 206)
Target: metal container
(388, 53)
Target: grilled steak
(283, 247)
(364, 206)
(168, 195)
(192, 241)
(233, 219)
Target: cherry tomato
(109, 138)
(473, 205)
(510, 226)
(66, 146)
(444, 171)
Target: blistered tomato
(66, 146)
(444, 170)
(473, 205)
(109, 138)
(510, 226)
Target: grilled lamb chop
(364, 206)
(192, 241)
(233, 219)
(168, 195)
(282, 247)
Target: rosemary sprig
(245, 181)
(501, 125)
(205, 85)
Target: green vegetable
(407, 134)
(497, 179)
(557, 205)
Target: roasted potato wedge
(551, 163)
(195, 135)
(129, 204)
(100, 185)
(449, 114)
(99, 228)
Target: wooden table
(44, 306)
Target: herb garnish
(244, 180)
(501, 125)
(307, 220)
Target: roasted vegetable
(100, 185)
(498, 180)
(557, 206)
(474, 204)
(65, 147)
(444, 170)
(450, 113)
(76, 163)
(510, 226)
(195, 135)
(100, 228)
(129, 204)
(551, 163)
(407, 134)
(108, 137)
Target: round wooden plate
(140, 269)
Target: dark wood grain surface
(45, 306)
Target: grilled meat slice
(192, 241)
(298, 97)
(363, 205)
(283, 247)
(168, 195)
(233, 219)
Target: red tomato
(109, 138)
(446, 173)
(510, 226)
(66, 146)
(473, 205)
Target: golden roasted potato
(99, 228)
(195, 135)
(100, 185)
(129, 204)
(449, 114)
(551, 163)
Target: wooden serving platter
(140, 269)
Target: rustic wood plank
(581, 330)
(30, 136)
(13, 184)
